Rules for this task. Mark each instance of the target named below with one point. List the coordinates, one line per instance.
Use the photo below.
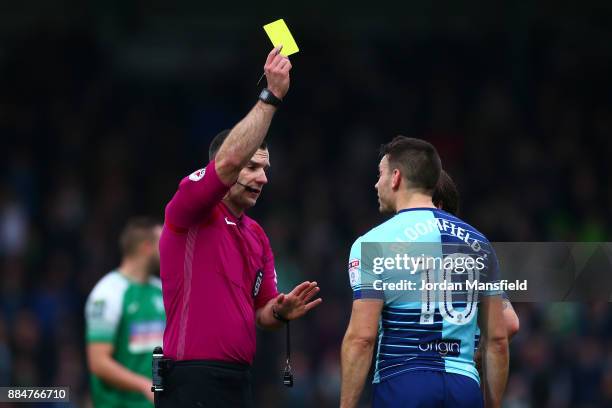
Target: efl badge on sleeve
(354, 272)
(197, 175)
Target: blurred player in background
(446, 197)
(425, 355)
(125, 320)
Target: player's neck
(413, 200)
(134, 269)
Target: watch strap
(268, 97)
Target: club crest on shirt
(197, 175)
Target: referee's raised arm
(248, 134)
(197, 195)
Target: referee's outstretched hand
(277, 69)
(298, 302)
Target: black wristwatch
(266, 96)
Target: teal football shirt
(432, 327)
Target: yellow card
(279, 34)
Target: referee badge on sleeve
(197, 175)
(257, 285)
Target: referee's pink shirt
(210, 261)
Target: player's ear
(396, 178)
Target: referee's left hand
(298, 302)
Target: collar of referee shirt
(230, 215)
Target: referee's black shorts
(203, 384)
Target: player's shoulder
(459, 222)
(388, 230)
(112, 286)
(378, 233)
(155, 282)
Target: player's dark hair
(136, 231)
(417, 160)
(218, 140)
(446, 195)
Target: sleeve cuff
(368, 294)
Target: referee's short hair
(136, 231)
(446, 194)
(218, 140)
(417, 160)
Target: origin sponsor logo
(444, 347)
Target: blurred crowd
(523, 125)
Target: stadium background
(105, 105)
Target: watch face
(268, 97)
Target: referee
(217, 267)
